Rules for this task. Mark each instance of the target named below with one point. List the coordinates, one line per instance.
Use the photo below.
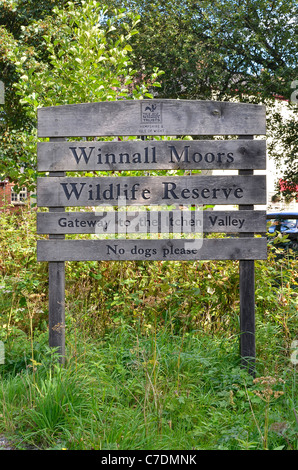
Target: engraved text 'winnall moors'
(138, 155)
(149, 155)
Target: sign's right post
(247, 296)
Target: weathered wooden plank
(151, 155)
(166, 250)
(149, 190)
(176, 221)
(151, 117)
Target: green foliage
(152, 349)
(82, 55)
(158, 391)
(85, 63)
(184, 295)
(284, 147)
(230, 48)
(152, 353)
(227, 50)
(53, 52)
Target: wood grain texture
(247, 296)
(185, 221)
(247, 313)
(151, 155)
(151, 117)
(57, 306)
(166, 250)
(151, 190)
(57, 287)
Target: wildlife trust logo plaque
(151, 113)
(151, 118)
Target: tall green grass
(152, 354)
(156, 391)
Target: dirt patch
(5, 444)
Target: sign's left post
(57, 289)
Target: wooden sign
(176, 221)
(100, 194)
(151, 117)
(163, 250)
(148, 190)
(151, 155)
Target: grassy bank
(152, 354)
(155, 391)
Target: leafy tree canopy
(77, 54)
(244, 50)
(227, 49)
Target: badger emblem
(151, 109)
(151, 113)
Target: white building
(273, 175)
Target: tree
(245, 50)
(284, 149)
(22, 26)
(83, 56)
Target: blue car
(286, 223)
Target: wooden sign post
(177, 118)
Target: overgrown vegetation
(152, 353)
(152, 348)
(79, 54)
(57, 52)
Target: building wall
(6, 197)
(5, 194)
